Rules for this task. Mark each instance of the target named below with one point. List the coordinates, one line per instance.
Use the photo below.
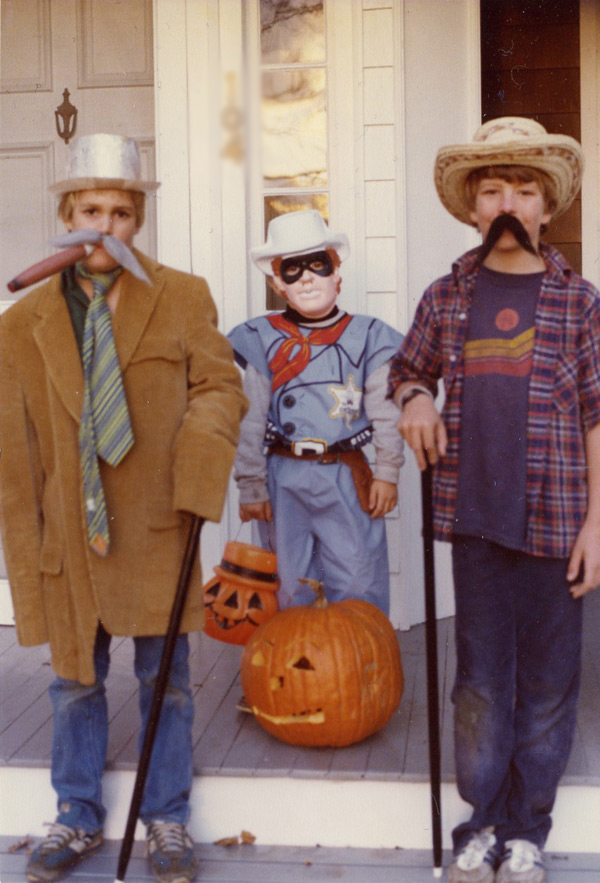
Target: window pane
(294, 129)
(280, 205)
(291, 31)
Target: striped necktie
(105, 428)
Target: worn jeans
(80, 738)
(518, 642)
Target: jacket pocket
(152, 348)
(159, 516)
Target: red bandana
(285, 368)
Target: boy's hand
(259, 511)
(423, 429)
(383, 496)
(583, 571)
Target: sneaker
(171, 852)
(60, 851)
(476, 861)
(521, 862)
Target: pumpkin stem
(320, 601)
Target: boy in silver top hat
(514, 334)
(120, 413)
(316, 379)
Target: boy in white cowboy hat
(109, 441)
(316, 380)
(515, 336)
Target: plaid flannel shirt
(564, 393)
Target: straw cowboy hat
(103, 161)
(300, 232)
(509, 141)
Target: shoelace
(475, 850)
(58, 835)
(523, 855)
(169, 836)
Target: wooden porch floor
(229, 743)
(285, 864)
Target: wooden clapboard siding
(530, 66)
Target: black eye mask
(498, 226)
(318, 262)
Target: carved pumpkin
(325, 674)
(242, 595)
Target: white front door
(101, 51)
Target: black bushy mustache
(498, 226)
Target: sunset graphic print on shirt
(511, 357)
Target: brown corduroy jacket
(185, 401)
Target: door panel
(48, 47)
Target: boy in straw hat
(121, 406)
(515, 336)
(316, 379)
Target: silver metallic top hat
(103, 161)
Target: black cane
(433, 709)
(189, 559)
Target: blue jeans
(80, 738)
(518, 644)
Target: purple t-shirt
(491, 502)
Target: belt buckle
(309, 446)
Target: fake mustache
(498, 226)
(115, 248)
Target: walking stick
(433, 710)
(160, 687)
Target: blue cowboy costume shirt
(336, 397)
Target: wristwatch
(411, 393)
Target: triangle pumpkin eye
(304, 664)
(255, 603)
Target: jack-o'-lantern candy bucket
(327, 674)
(242, 594)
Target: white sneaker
(521, 862)
(476, 861)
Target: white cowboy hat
(509, 141)
(300, 232)
(103, 161)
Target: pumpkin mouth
(304, 717)
(227, 624)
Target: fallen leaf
(247, 837)
(20, 844)
(227, 841)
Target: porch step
(289, 864)
(301, 812)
